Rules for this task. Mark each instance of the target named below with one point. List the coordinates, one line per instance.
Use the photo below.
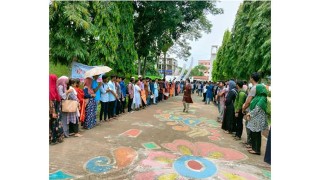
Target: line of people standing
(236, 102)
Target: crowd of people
(236, 100)
(114, 96)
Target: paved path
(160, 142)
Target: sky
(202, 47)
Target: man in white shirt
(104, 98)
(112, 97)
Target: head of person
(156, 80)
(77, 80)
(105, 78)
(222, 84)
(88, 84)
(137, 82)
(239, 84)
(245, 83)
(188, 80)
(63, 81)
(96, 77)
(132, 80)
(53, 92)
(255, 77)
(232, 85)
(113, 77)
(117, 79)
(71, 83)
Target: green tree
(198, 70)
(247, 48)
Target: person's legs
(256, 141)
(204, 97)
(239, 120)
(130, 104)
(101, 110)
(187, 105)
(249, 140)
(110, 109)
(123, 104)
(105, 110)
(208, 100)
(184, 105)
(65, 126)
(115, 107)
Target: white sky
(202, 47)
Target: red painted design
(132, 133)
(194, 165)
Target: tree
(247, 48)
(198, 70)
(160, 24)
(93, 33)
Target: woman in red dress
(187, 96)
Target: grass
(269, 112)
(59, 69)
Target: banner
(190, 68)
(78, 70)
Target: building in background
(171, 66)
(214, 51)
(207, 64)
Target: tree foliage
(160, 24)
(247, 48)
(198, 70)
(93, 33)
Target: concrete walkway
(160, 142)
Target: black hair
(112, 76)
(223, 83)
(188, 80)
(136, 81)
(131, 80)
(255, 76)
(71, 81)
(244, 82)
(240, 83)
(77, 81)
(104, 76)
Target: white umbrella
(97, 71)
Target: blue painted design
(191, 122)
(99, 165)
(59, 175)
(180, 165)
(176, 118)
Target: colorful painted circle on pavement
(99, 165)
(194, 167)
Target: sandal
(248, 146)
(253, 152)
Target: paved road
(160, 142)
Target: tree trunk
(144, 67)
(165, 64)
(139, 66)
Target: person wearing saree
(136, 96)
(142, 93)
(257, 120)
(228, 123)
(64, 93)
(161, 90)
(80, 96)
(187, 96)
(104, 98)
(240, 100)
(55, 125)
(148, 91)
(91, 105)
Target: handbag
(69, 105)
